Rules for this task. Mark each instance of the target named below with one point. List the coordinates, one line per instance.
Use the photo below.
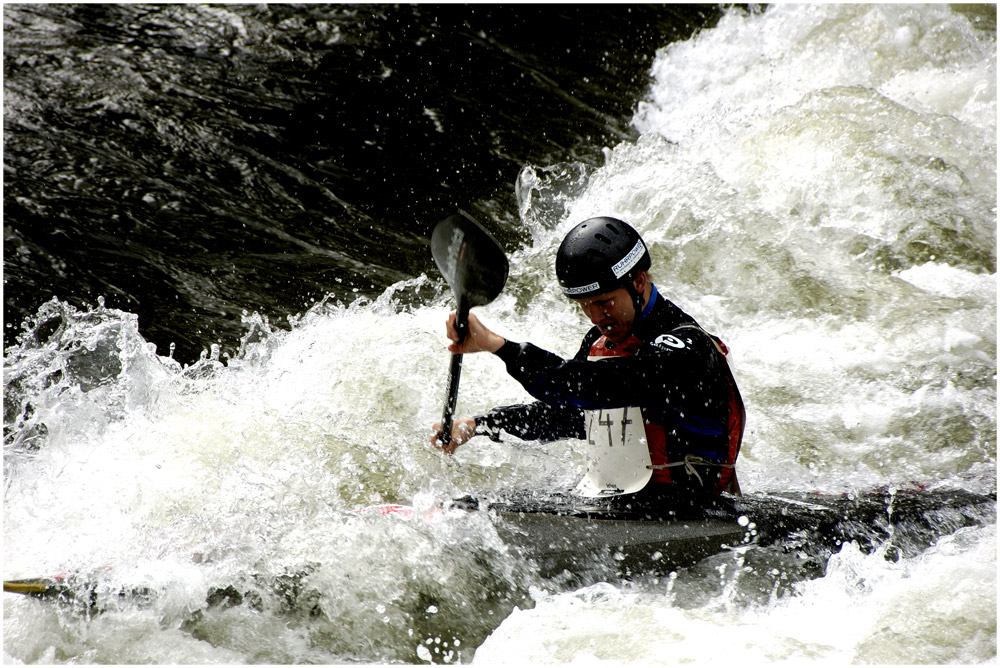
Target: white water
(818, 185)
(865, 610)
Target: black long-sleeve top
(676, 376)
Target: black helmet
(600, 255)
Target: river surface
(224, 332)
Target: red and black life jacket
(723, 473)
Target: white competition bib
(617, 454)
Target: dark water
(191, 162)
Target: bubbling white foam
(866, 609)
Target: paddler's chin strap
(637, 301)
(641, 308)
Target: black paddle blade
(470, 260)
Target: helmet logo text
(626, 263)
(582, 289)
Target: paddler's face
(612, 311)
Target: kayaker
(649, 389)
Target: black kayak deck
(557, 543)
(565, 533)
(562, 533)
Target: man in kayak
(649, 389)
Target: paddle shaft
(454, 372)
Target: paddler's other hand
(461, 431)
(478, 339)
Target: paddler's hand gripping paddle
(476, 268)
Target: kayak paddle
(476, 268)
